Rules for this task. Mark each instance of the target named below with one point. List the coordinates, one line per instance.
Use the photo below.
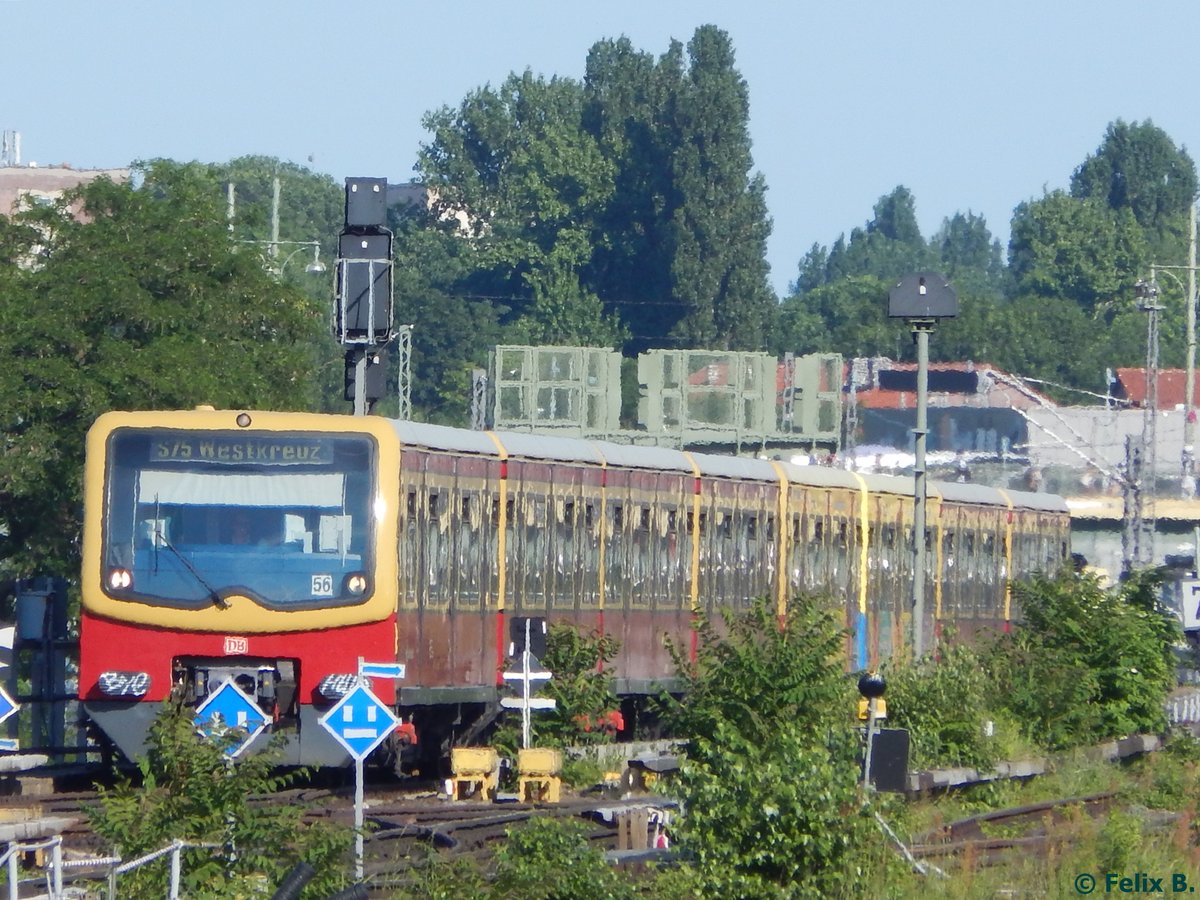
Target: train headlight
(120, 579)
(124, 684)
(356, 584)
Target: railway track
(996, 837)
(401, 823)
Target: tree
(1076, 250)
(889, 247)
(629, 103)
(1072, 683)
(142, 302)
(446, 299)
(1138, 168)
(968, 255)
(720, 227)
(517, 164)
(853, 318)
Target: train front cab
(173, 605)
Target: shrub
(944, 705)
(770, 783)
(191, 790)
(547, 859)
(1087, 663)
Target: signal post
(363, 293)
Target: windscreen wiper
(219, 601)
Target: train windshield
(192, 518)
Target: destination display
(239, 450)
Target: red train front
(243, 546)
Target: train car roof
(578, 450)
(567, 449)
(1039, 501)
(443, 437)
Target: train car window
(770, 528)
(672, 523)
(889, 536)
(568, 514)
(412, 503)
(589, 515)
(969, 541)
(644, 519)
(752, 528)
(797, 530)
(433, 505)
(703, 523)
(818, 532)
(724, 526)
(842, 535)
(618, 516)
(509, 508)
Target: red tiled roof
(1172, 384)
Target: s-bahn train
(279, 549)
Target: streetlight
(1146, 461)
(1187, 462)
(1187, 459)
(315, 266)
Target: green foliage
(1119, 844)
(144, 302)
(848, 316)
(620, 210)
(797, 663)
(1079, 250)
(944, 704)
(782, 816)
(547, 859)
(581, 686)
(1137, 167)
(445, 877)
(771, 778)
(190, 790)
(1086, 663)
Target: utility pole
(273, 250)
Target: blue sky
(972, 106)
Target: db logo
(235, 645)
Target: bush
(770, 785)
(944, 705)
(191, 790)
(1087, 663)
(546, 859)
